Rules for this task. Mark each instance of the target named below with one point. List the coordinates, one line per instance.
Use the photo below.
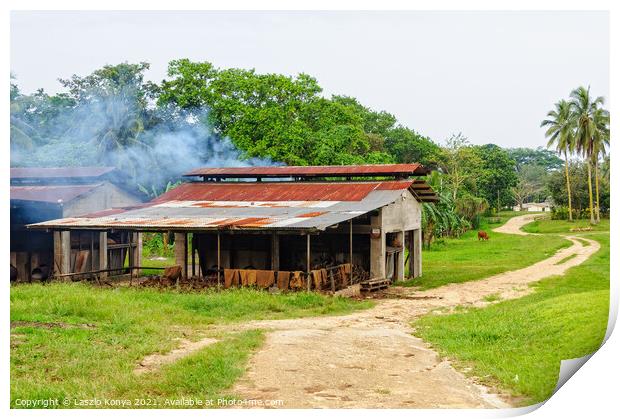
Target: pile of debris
(322, 279)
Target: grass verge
(563, 226)
(468, 259)
(83, 342)
(518, 344)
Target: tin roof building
(283, 219)
(45, 193)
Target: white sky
(490, 75)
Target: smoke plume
(152, 146)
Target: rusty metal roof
(58, 172)
(50, 193)
(246, 206)
(278, 191)
(218, 206)
(366, 170)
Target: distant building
(41, 194)
(534, 207)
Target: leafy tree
(497, 174)
(407, 146)
(578, 171)
(118, 80)
(538, 156)
(561, 133)
(530, 184)
(460, 162)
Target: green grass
(492, 298)
(517, 344)
(97, 361)
(467, 259)
(156, 263)
(566, 259)
(563, 226)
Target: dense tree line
(203, 115)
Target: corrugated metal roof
(278, 191)
(256, 205)
(402, 170)
(58, 172)
(51, 193)
(220, 215)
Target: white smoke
(153, 147)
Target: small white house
(534, 207)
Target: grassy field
(563, 226)
(517, 345)
(83, 342)
(467, 259)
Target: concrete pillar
(62, 252)
(377, 248)
(103, 253)
(180, 252)
(275, 252)
(400, 262)
(417, 253)
(137, 251)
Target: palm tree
(584, 110)
(601, 141)
(561, 132)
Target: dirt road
(371, 359)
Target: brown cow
(482, 235)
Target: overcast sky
(490, 75)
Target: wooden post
(103, 253)
(351, 250)
(308, 260)
(193, 255)
(62, 252)
(219, 260)
(130, 258)
(185, 262)
(331, 280)
(275, 252)
(92, 251)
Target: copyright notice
(183, 402)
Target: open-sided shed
(299, 220)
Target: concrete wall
(403, 215)
(105, 196)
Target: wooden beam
(308, 261)
(275, 252)
(351, 250)
(219, 260)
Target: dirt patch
(372, 360)
(155, 361)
